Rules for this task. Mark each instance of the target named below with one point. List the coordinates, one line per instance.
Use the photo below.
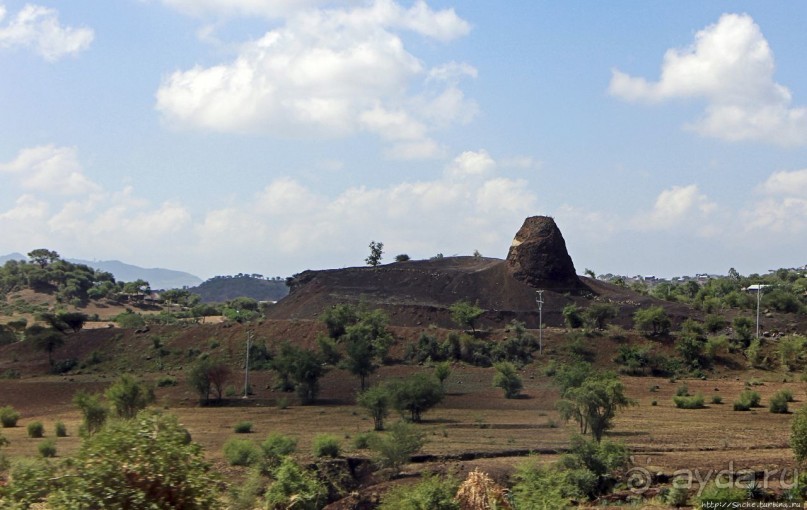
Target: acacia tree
(465, 314)
(206, 375)
(376, 400)
(43, 257)
(594, 403)
(128, 396)
(48, 340)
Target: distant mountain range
(158, 278)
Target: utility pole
(539, 298)
(246, 365)
(759, 291)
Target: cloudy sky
(274, 136)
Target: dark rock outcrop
(538, 255)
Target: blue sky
(274, 136)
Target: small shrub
(326, 445)
(394, 448)
(739, 405)
(297, 486)
(433, 492)
(166, 381)
(47, 448)
(61, 429)
(277, 446)
(8, 416)
(361, 441)
(36, 429)
(751, 398)
(682, 391)
(654, 403)
(241, 452)
(243, 427)
(282, 403)
(689, 402)
(778, 403)
(787, 394)
(717, 399)
(507, 378)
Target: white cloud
(38, 28)
(471, 163)
(783, 209)
(330, 73)
(730, 65)
(676, 207)
(229, 8)
(786, 183)
(50, 169)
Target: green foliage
(276, 446)
(598, 314)
(73, 320)
(415, 395)
(60, 429)
(778, 403)
(588, 463)
(47, 340)
(206, 375)
(8, 417)
(243, 427)
(36, 429)
(328, 350)
(47, 448)
(129, 396)
(7, 335)
(130, 320)
(691, 348)
(754, 354)
(93, 411)
(326, 445)
(593, 404)
(743, 330)
(30, 482)
(306, 370)
(747, 400)
(465, 314)
(403, 257)
(376, 400)
(572, 316)
(338, 318)
(431, 493)
(507, 378)
(634, 360)
(790, 350)
(376, 252)
(798, 435)
(721, 492)
(715, 323)
(241, 452)
(295, 488)
(689, 402)
(146, 462)
(395, 447)
(652, 321)
(166, 381)
(442, 371)
(542, 487)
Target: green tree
(376, 401)
(798, 435)
(376, 251)
(129, 396)
(598, 314)
(415, 395)
(295, 488)
(306, 372)
(507, 378)
(572, 316)
(338, 317)
(199, 379)
(43, 257)
(48, 341)
(441, 371)
(93, 411)
(465, 314)
(652, 321)
(74, 320)
(359, 359)
(594, 404)
(146, 462)
(403, 257)
(396, 447)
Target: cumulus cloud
(38, 28)
(676, 207)
(50, 169)
(783, 207)
(731, 66)
(331, 73)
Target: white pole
(246, 365)
(540, 300)
(759, 291)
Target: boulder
(538, 255)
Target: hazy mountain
(12, 256)
(157, 277)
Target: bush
(8, 416)
(717, 399)
(778, 403)
(394, 448)
(361, 441)
(432, 492)
(93, 410)
(150, 461)
(752, 398)
(294, 484)
(36, 429)
(128, 396)
(507, 378)
(690, 402)
(241, 452)
(166, 381)
(376, 400)
(798, 434)
(682, 390)
(243, 427)
(277, 446)
(326, 445)
(61, 429)
(30, 482)
(47, 448)
(415, 395)
(542, 486)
